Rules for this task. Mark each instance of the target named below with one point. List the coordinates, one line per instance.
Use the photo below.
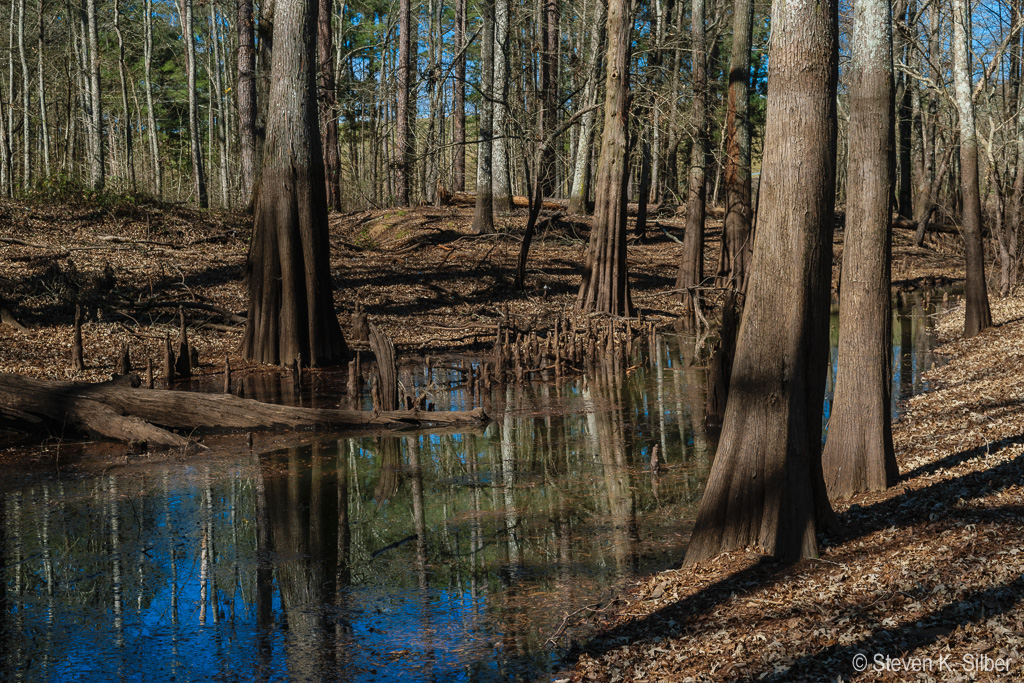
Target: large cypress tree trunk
(246, 101)
(737, 241)
(978, 315)
(291, 308)
(766, 488)
(605, 286)
(691, 268)
(328, 101)
(858, 454)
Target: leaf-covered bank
(929, 574)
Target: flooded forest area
(545, 538)
(485, 340)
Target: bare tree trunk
(10, 88)
(154, 145)
(44, 124)
(26, 84)
(403, 113)
(581, 167)
(459, 125)
(291, 308)
(691, 269)
(501, 189)
(858, 454)
(194, 135)
(902, 46)
(483, 216)
(737, 242)
(264, 57)
(126, 122)
(1014, 228)
(246, 101)
(217, 104)
(766, 488)
(328, 104)
(6, 180)
(977, 316)
(97, 172)
(605, 286)
(549, 92)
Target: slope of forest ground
(928, 574)
(419, 273)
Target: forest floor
(418, 273)
(929, 574)
(933, 568)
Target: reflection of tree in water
(390, 450)
(608, 429)
(306, 513)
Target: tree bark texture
(483, 215)
(44, 124)
(126, 121)
(154, 147)
(691, 268)
(26, 85)
(459, 125)
(403, 113)
(581, 165)
(195, 142)
(246, 101)
(328, 104)
(291, 309)
(97, 172)
(737, 242)
(501, 188)
(605, 286)
(549, 92)
(766, 488)
(858, 453)
(978, 316)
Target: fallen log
(518, 201)
(121, 409)
(907, 224)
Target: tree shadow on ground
(859, 658)
(931, 503)
(50, 294)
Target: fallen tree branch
(230, 316)
(121, 410)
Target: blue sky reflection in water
(443, 557)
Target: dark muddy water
(431, 557)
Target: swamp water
(429, 557)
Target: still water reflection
(429, 557)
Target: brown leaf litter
(924, 583)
